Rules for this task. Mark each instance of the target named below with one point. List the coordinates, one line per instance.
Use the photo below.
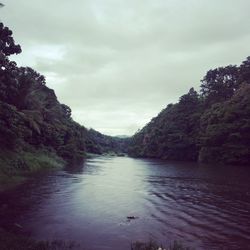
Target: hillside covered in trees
(36, 131)
(210, 126)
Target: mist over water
(206, 207)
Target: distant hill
(99, 143)
(122, 136)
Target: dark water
(206, 207)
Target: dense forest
(210, 126)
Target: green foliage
(8, 68)
(172, 134)
(225, 130)
(26, 162)
(220, 84)
(7, 43)
(15, 166)
(31, 118)
(244, 71)
(212, 126)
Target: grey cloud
(118, 63)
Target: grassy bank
(17, 167)
(9, 241)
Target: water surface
(206, 207)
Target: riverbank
(18, 167)
(10, 241)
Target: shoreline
(16, 168)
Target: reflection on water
(207, 207)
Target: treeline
(99, 143)
(210, 126)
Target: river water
(205, 207)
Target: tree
(225, 130)
(7, 43)
(244, 71)
(8, 69)
(189, 99)
(219, 84)
(66, 111)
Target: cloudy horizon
(117, 63)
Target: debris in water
(132, 217)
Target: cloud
(118, 63)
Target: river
(205, 207)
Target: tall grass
(153, 245)
(16, 166)
(9, 241)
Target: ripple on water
(204, 207)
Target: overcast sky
(118, 63)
